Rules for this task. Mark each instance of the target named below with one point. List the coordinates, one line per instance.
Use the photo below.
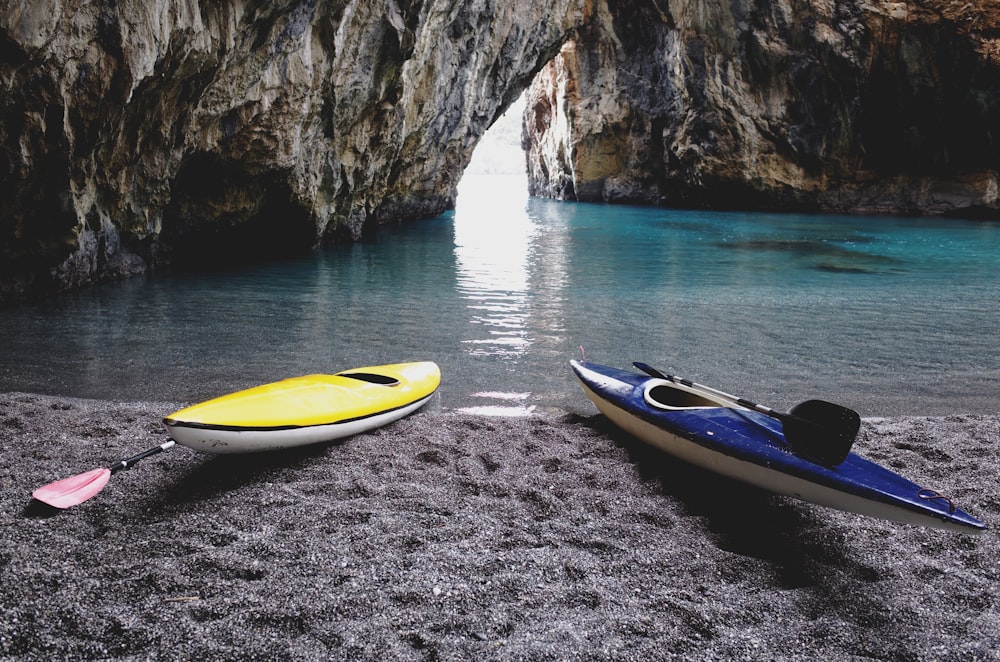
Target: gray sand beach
(451, 536)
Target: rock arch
(337, 115)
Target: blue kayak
(696, 424)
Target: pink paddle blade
(73, 490)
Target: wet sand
(451, 536)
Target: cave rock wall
(139, 132)
(846, 106)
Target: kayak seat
(372, 378)
(668, 396)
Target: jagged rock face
(135, 133)
(138, 132)
(888, 107)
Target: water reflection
(502, 293)
(492, 245)
(493, 240)
(511, 255)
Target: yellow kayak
(305, 410)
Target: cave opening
(499, 154)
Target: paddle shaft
(740, 401)
(129, 461)
(75, 490)
(653, 372)
(819, 431)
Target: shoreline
(458, 536)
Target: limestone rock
(135, 133)
(880, 107)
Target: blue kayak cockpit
(670, 396)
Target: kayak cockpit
(666, 395)
(371, 378)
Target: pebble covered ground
(451, 536)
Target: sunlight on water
(886, 315)
(492, 244)
(514, 404)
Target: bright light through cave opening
(494, 241)
(499, 151)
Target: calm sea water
(889, 316)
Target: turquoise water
(889, 316)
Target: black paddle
(819, 431)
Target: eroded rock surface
(884, 107)
(137, 133)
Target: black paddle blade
(649, 370)
(820, 431)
